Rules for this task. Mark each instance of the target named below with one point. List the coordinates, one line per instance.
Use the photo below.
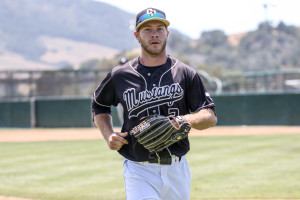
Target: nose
(154, 34)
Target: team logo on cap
(151, 12)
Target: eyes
(150, 30)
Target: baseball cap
(150, 14)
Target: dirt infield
(12, 198)
(58, 134)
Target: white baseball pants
(151, 181)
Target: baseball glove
(157, 132)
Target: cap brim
(166, 22)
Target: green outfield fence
(61, 112)
(232, 109)
(258, 109)
(15, 113)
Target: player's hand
(117, 140)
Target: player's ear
(137, 35)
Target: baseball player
(153, 84)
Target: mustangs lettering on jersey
(137, 103)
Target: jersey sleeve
(104, 96)
(198, 97)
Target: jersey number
(173, 111)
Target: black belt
(164, 157)
(163, 160)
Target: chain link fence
(63, 83)
(269, 81)
(82, 83)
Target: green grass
(61, 170)
(223, 167)
(245, 167)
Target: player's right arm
(114, 140)
(103, 98)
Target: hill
(43, 34)
(89, 28)
(268, 47)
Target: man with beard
(153, 84)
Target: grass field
(223, 167)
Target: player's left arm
(202, 119)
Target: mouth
(154, 42)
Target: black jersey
(173, 88)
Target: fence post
(32, 112)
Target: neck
(153, 60)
